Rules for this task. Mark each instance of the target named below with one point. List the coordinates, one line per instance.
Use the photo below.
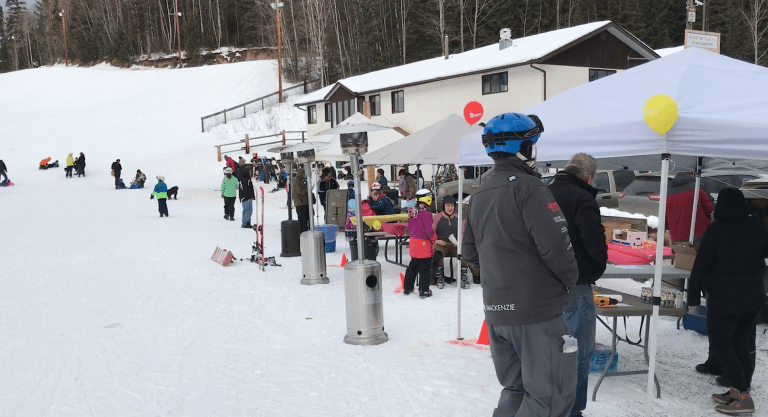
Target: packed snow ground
(108, 310)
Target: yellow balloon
(376, 225)
(660, 113)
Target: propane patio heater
(362, 277)
(289, 229)
(312, 241)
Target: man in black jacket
(576, 198)
(516, 235)
(327, 182)
(247, 195)
(117, 168)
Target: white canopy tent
(722, 109)
(379, 135)
(434, 144)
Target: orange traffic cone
(343, 260)
(483, 338)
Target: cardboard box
(610, 223)
(629, 237)
(685, 255)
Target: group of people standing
(541, 248)
(76, 163)
(237, 181)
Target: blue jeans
(580, 315)
(247, 211)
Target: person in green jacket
(70, 165)
(161, 192)
(229, 187)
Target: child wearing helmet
(351, 189)
(380, 203)
(420, 246)
(446, 227)
(161, 192)
(229, 186)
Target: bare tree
(316, 12)
(572, 4)
(484, 9)
(405, 5)
(756, 16)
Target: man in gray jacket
(517, 235)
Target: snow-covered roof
(669, 51)
(522, 51)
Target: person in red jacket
(420, 245)
(680, 207)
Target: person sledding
(138, 181)
(44, 163)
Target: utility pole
(688, 23)
(277, 7)
(178, 33)
(704, 17)
(64, 29)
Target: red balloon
(473, 112)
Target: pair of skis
(259, 244)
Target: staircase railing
(257, 104)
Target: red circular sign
(473, 112)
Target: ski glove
(151, 197)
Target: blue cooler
(329, 231)
(696, 323)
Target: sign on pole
(692, 15)
(704, 40)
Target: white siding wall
(428, 103)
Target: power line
(657, 19)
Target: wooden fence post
(283, 137)
(225, 116)
(202, 124)
(218, 153)
(247, 145)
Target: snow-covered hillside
(106, 309)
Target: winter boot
(425, 294)
(464, 280)
(709, 367)
(739, 403)
(440, 277)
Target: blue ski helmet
(506, 132)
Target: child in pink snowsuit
(420, 248)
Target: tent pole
(458, 246)
(656, 300)
(695, 199)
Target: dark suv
(643, 194)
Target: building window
(495, 83)
(596, 74)
(360, 104)
(398, 102)
(311, 115)
(375, 105)
(343, 109)
(328, 112)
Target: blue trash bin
(329, 232)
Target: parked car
(643, 194)
(608, 184)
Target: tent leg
(656, 300)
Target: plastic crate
(330, 247)
(600, 358)
(696, 323)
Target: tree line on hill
(333, 39)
